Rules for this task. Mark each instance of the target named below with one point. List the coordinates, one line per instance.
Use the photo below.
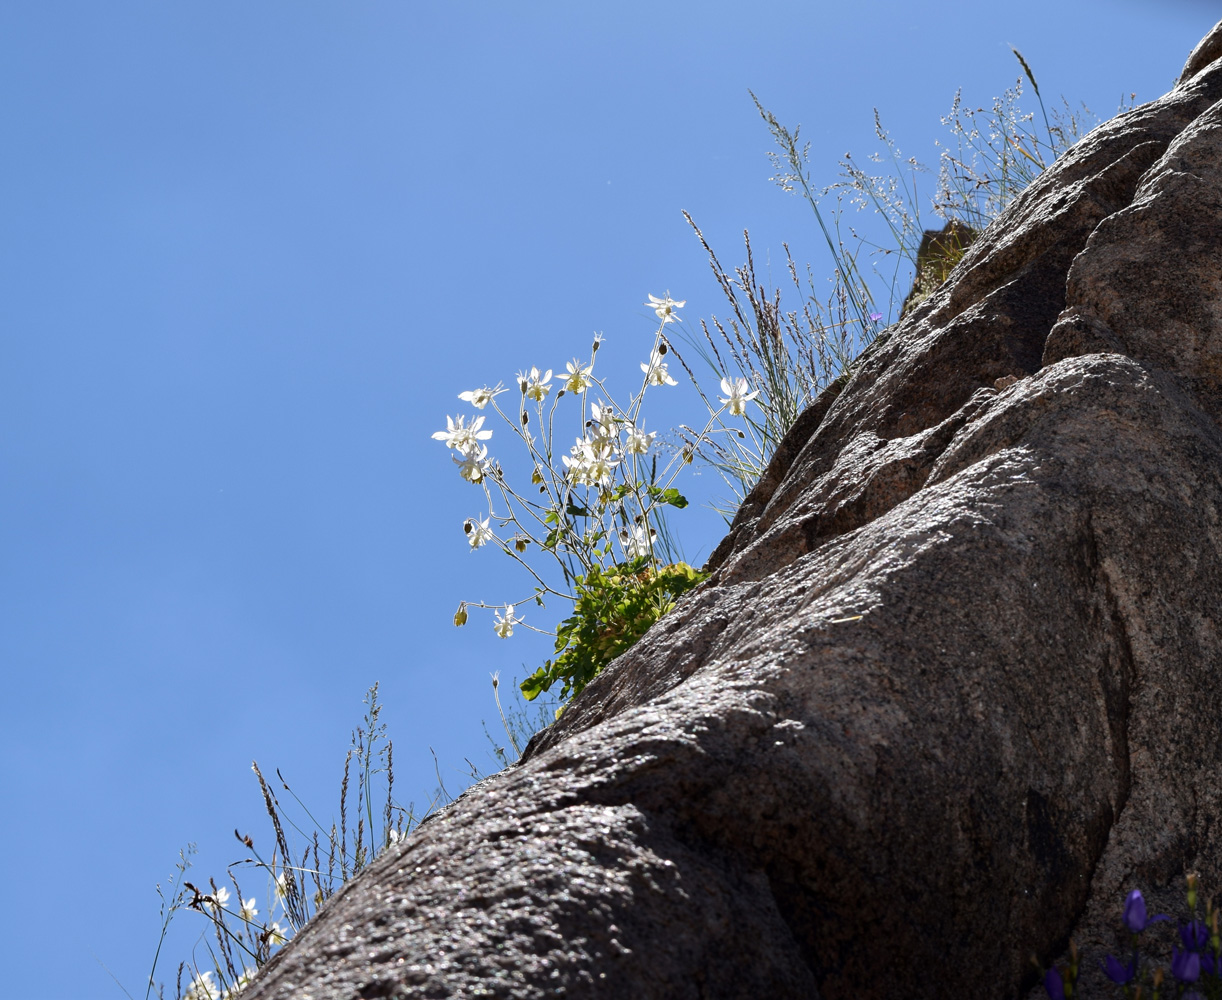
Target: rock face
(953, 689)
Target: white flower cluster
(609, 437)
(202, 986)
(593, 459)
(473, 456)
(600, 493)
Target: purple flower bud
(1135, 913)
(1118, 973)
(1185, 965)
(1054, 985)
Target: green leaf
(614, 607)
(674, 498)
(535, 684)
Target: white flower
(478, 532)
(473, 464)
(479, 398)
(282, 885)
(504, 623)
(456, 435)
(534, 385)
(664, 308)
(638, 442)
(636, 543)
(578, 378)
(602, 421)
(393, 836)
(576, 467)
(202, 988)
(277, 934)
(591, 462)
(574, 461)
(655, 371)
(249, 912)
(219, 899)
(242, 982)
(737, 397)
(600, 463)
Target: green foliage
(613, 609)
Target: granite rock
(952, 688)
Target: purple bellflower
(1185, 965)
(1120, 974)
(1135, 913)
(1054, 984)
(1194, 934)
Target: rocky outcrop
(937, 254)
(952, 689)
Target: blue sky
(250, 254)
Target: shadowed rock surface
(953, 688)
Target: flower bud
(460, 616)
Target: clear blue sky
(249, 254)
